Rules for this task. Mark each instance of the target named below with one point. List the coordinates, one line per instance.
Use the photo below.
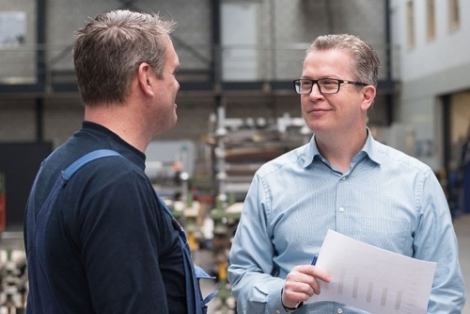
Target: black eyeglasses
(325, 86)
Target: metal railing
(19, 65)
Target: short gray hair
(366, 62)
(110, 48)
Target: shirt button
(340, 310)
(278, 312)
(343, 178)
(341, 209)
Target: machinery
(3, 203)
(240, 147)
(13, 281)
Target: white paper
(373, 279)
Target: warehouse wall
(285, 28)
(66, 16)
(18, 63)
(431, 68)
(63, 116)
(281, 29)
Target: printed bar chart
(373, 279)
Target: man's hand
(301, 283)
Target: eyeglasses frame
(297, 82)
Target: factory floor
(13, 241)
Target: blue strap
(41, 298)
(210, 296)
(195, 301)
(100, 153)
(193, 273)
(201, 274)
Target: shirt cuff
(275, 300)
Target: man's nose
(315, 90)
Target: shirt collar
(371, 149)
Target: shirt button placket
(342, 202)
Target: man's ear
(368, 95)
(145, 78)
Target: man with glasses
(342, 180)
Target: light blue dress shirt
(386, 199)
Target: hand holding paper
(373, 279)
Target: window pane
(454, 14)
(410, 24)
(430, 20)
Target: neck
(339, 149)
(120, 120)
